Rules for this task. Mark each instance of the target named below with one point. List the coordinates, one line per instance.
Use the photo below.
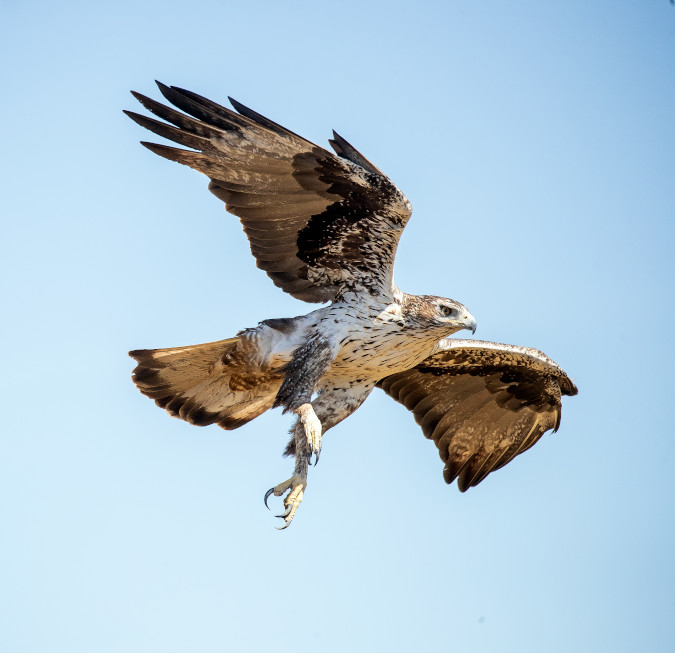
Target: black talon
(281, 528)
(286, 512)
(267, 496)
(316, 460)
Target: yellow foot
(296, 485)
(312, 427)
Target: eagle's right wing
(482, 403)
(317, 223)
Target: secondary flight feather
(325, 228)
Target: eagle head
(446, 316)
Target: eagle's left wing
(317, 223)
(482, 403)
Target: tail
(204, 384)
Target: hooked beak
(468, 321)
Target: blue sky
(536, 142)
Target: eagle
(325, 228)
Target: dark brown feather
(333, 221)
(347, 151)
(482, 403)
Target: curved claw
(267, 496)
(317, 453)
(286, 512)
(281, 528)
(296, 485)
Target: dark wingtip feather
(136, 117)
(347, 151)
(448, 474)
(139, 96)
(171, 153)
(169, 92)
(181, 136)
(177, 154)
(153, 147)
(202, 108)
(264, 122)
(254, 115)
(147, 102)
(237, 105)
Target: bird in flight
(325, 228)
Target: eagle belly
(373, 343)
(368, 342)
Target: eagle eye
(445, 311)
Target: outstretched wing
(482, 403)
(317, 223)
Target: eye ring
(445, 311)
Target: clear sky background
(536, 141)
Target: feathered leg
(302, 374)
(330, 408)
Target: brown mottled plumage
(325, 228)
(481, 403)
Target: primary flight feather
(325, 228)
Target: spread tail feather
(204, 384)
